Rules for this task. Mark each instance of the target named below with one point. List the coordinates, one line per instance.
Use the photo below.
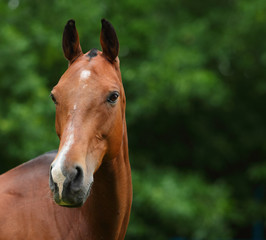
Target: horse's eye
(53, 98)
(112, 98)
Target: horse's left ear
(71, 45)
(109, 41)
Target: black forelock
(93, 53)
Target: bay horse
(83, 190)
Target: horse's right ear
(71, 46)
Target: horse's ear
(109, 41)
(71, 45)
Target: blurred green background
(195, 78)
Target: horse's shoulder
(42, 160)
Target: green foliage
(180, 204)
(194, 74)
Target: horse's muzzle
(68, 187)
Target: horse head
(90, 115)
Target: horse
(83, 190)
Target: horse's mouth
(71, 199)
(72, 205)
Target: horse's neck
(111, 196)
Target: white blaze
(85, 74)
(57, 174)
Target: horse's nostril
(77, 180)
(53, 185)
